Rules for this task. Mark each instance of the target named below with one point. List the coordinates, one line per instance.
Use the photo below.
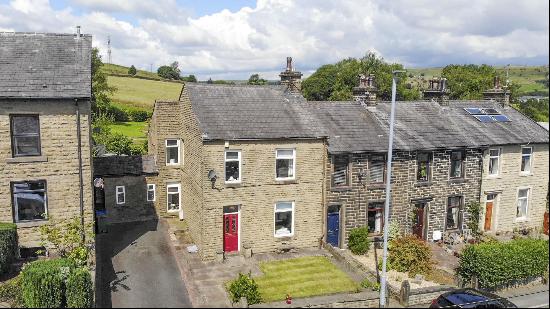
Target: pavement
(528, 297)
(136, 267)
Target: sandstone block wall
(58, 165)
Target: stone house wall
(58, 164)
(507, 183)
(354, 199)
(259, 191)
(136, 207)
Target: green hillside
(530, 78)
(142, 93)
(115, 69)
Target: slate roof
(39, 65)
(421, 125)
(124, 165)
(233, 112)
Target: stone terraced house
(45, 156)
(446, 154)
(243, 165)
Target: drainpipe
(80, 177)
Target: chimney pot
(290, 78)
(78, 31)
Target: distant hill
(530, 78)
(119, 70)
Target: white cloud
(236, 44)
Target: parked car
(470, 298)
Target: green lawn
(302, 277)
(142, 93)
(137, 131)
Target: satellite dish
(212, 175)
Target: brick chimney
(497, 93)
(437, 91)
(291, 78)
(365, 93)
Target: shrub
(474, 209)
(79, 289)
(10, 292)
(138, 115)
(499, 264)
(132, 70)
(65, 237)
(8, 245)
(367, 284)
(118, 114)
(245, 286)
(410, 254)
(43, 283)
(358, 240)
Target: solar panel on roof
(484, 118)
(501, 118)
(473, 110)
(490, 111)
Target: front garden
(61, 282)
(296, 278)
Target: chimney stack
(290, 78)
(78, 35)
(497, 93)
(365, 93)
(437, 91)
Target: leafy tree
(132, 70)
(256, 80)
(335, 82)
(534, 109)
(171, 71)
(468, 81)
(191, 78)
(100, 89)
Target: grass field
(302, 277)
(142, 93)
(137, 131)
(111, 69)
(527, 77)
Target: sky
(232, 39)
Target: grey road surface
(136, 268)
(534, 297)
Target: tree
(534, 109)
(256, 80)
(191, 78)
(171, 71)
(467, 82)
(100, 89)
(132, 70)
(335, 82)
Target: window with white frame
(284, 219)
(284, 166)
(526, 155)
(120, 195)
(232, 166)
(173, 151)
(174, 197)
(494, 161)
(151, 192)
(523, 203)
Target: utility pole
(109, 49)
(383, 284)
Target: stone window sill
(32, 159)
(423, 184)
(29, 224)
(526, 174)
(286, 182)
(340, 189)
(457, 181)
(522, 219)
(233, 185)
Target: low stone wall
(366, 299)
(423, 295)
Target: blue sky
(234, 39)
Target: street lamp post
(388, 194)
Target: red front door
(230, 232)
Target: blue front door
(333, 228)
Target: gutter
(80, 177)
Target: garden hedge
(497, 265)
(43, 283)
(79, 289)
(358, 240)
(8, 245)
